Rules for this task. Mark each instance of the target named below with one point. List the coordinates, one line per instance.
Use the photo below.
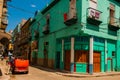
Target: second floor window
(112, 13)
(72, 9)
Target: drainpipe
(72, 55)
(91, 55)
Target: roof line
(50, 6)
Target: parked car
(20, 65)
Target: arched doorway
(4, 42)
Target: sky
(23, 9)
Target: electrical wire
(20, 9)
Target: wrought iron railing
(46, 29)
(114, 21)
(94, 14)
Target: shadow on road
(48, 69)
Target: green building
(78, 36)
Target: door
(109, 64)
(29, 55)
(46, 47)
(96, 62)
(67, 60)
(58, 60)
(35, 57)
(45, 58)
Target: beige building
(3, 15)
(4, 36)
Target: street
(45, 74)
(38, 74)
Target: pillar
(106, 55)
(72, 55)
(91, 55)
(62, 56)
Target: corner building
(78, 36)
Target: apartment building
(78, 36)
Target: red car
(20, 65)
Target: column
(62, 55)
(72, 55)
(105, 55)
(91, 55)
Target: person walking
(9, 63)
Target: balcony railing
(36, 34)
(94, 16)
(69, 21)
(4, 21)
(46, 29)
(114, 23)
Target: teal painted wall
(81, 67)
(117, 56)
(111, 47)
(102, 29)
(58, 30)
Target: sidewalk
(88, 75)
(68, 74)
(3, 68)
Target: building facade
(4, 36)
(78, 36)
(3, 15)
(24, 45)
(16, 38)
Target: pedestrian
(9, 62)
(9, 55)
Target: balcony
(114, 23)
(5, 5)
(118, 1)
(4, 21)
(29, 36)
(3, 27)
(36, 34)
(69, 21)
(46, 29)
(94, 16)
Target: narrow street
(45, 74)
(38, 74)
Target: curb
(86, 76)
